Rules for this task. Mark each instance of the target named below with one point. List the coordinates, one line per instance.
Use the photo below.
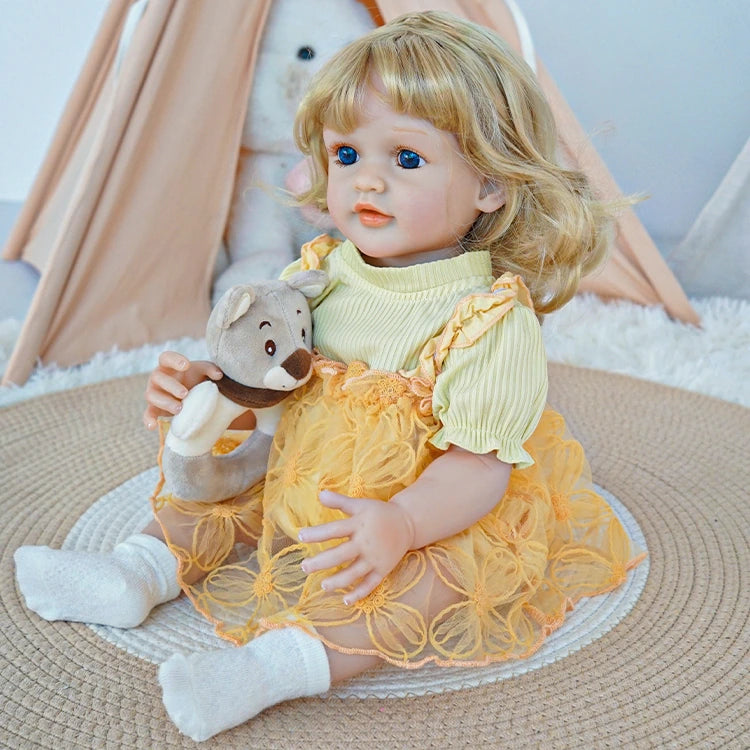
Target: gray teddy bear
(260, 336)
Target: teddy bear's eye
(304, 335)
(305, 53)
(270, 347)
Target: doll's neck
(410, 259)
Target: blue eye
(347, 155)
(409, 159)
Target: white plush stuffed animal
(264, 232)
(260, 336)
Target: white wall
(664, 86)
(43, 44)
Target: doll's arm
(170, 382)
(452, 493)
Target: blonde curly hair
(463, 78)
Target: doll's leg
(117, 588)
(120, 587)
(429, 596)
(209, 692)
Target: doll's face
(400, 189)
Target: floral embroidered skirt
(491, 592)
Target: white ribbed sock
(117, 588)
(206, 693)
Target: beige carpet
(672, 673)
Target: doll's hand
(170, 382)
(378, 535)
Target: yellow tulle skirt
(492, 592)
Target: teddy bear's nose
(297, 364)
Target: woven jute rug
(666, 667)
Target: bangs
(409, 74)
(417, 81)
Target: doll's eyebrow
(264, 323)
(411, 130)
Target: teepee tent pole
(636, 269)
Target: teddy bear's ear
(310, 283)
(233, 305)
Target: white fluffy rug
(619, 337)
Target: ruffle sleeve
(312, 255)
(490, 395)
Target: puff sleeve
(490, 396)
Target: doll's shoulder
(315, 255)
(483, 321)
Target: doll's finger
(151, 417)
(326, 531)
(162, 403)
(343, 502)
(173, 361)
(368, 585)
(208, 369)
(182, 369)
(149, 420)
(168, 384)
(348, 576)
(330, 558)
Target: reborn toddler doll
(421, 503)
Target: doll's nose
(369, 181)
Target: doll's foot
(117, 588)
(209, 692)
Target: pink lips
(369, 216)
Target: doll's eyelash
(399, 149)
(333, 152)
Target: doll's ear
(491, 197)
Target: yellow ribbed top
(488, 396)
